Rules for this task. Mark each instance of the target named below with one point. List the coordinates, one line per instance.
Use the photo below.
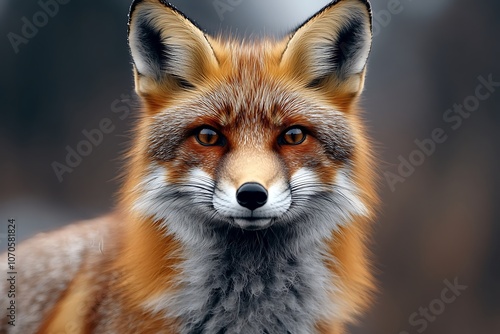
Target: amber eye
(208, 137)
(293, 136)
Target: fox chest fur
(246, 288)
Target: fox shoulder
(46, 265)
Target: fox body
(247, 197)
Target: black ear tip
(165, 3)
(367, 3)
(135, 3)
(333, 3)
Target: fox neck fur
(270, 281)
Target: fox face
(250, 135)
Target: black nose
(251, 195)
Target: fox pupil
(207, 137)
(294, 136)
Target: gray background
(442, 223)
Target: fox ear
(332, 47)
(166, 47)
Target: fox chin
(248, 192)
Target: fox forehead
(250, 101)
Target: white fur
(151, 189)
(348, 194)
(338, 205)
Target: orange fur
(142, 258)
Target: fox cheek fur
(248, 192)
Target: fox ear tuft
(333, 44)
(166, 47)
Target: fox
(248, 194)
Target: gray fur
(46, 264)
(253, 282)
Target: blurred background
(65, 69)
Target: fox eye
(293, 136)
(208, 137)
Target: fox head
(250, 135)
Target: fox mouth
(252, 223)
